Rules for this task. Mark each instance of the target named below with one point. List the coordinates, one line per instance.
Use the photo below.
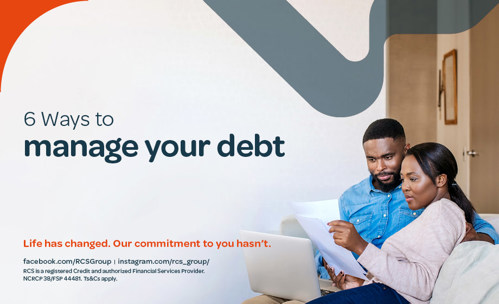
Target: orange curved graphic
(15, 17)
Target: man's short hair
(384, 128)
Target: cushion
(470, 275)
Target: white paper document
(326, 211)
(313, 221)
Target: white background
(163, 70)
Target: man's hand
(472, 235)
(346, 236)
(343, 281)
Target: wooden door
(484, 114)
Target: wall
(457, 137)
(411, 85)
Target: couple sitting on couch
(375, 214)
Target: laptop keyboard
(326, 292)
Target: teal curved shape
(328, 81)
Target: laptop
(285, 269)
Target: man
(376, 206)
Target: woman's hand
(346, 236)
(343, 281)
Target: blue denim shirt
(377, 215)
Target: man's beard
(387, 187)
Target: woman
(405, 269)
